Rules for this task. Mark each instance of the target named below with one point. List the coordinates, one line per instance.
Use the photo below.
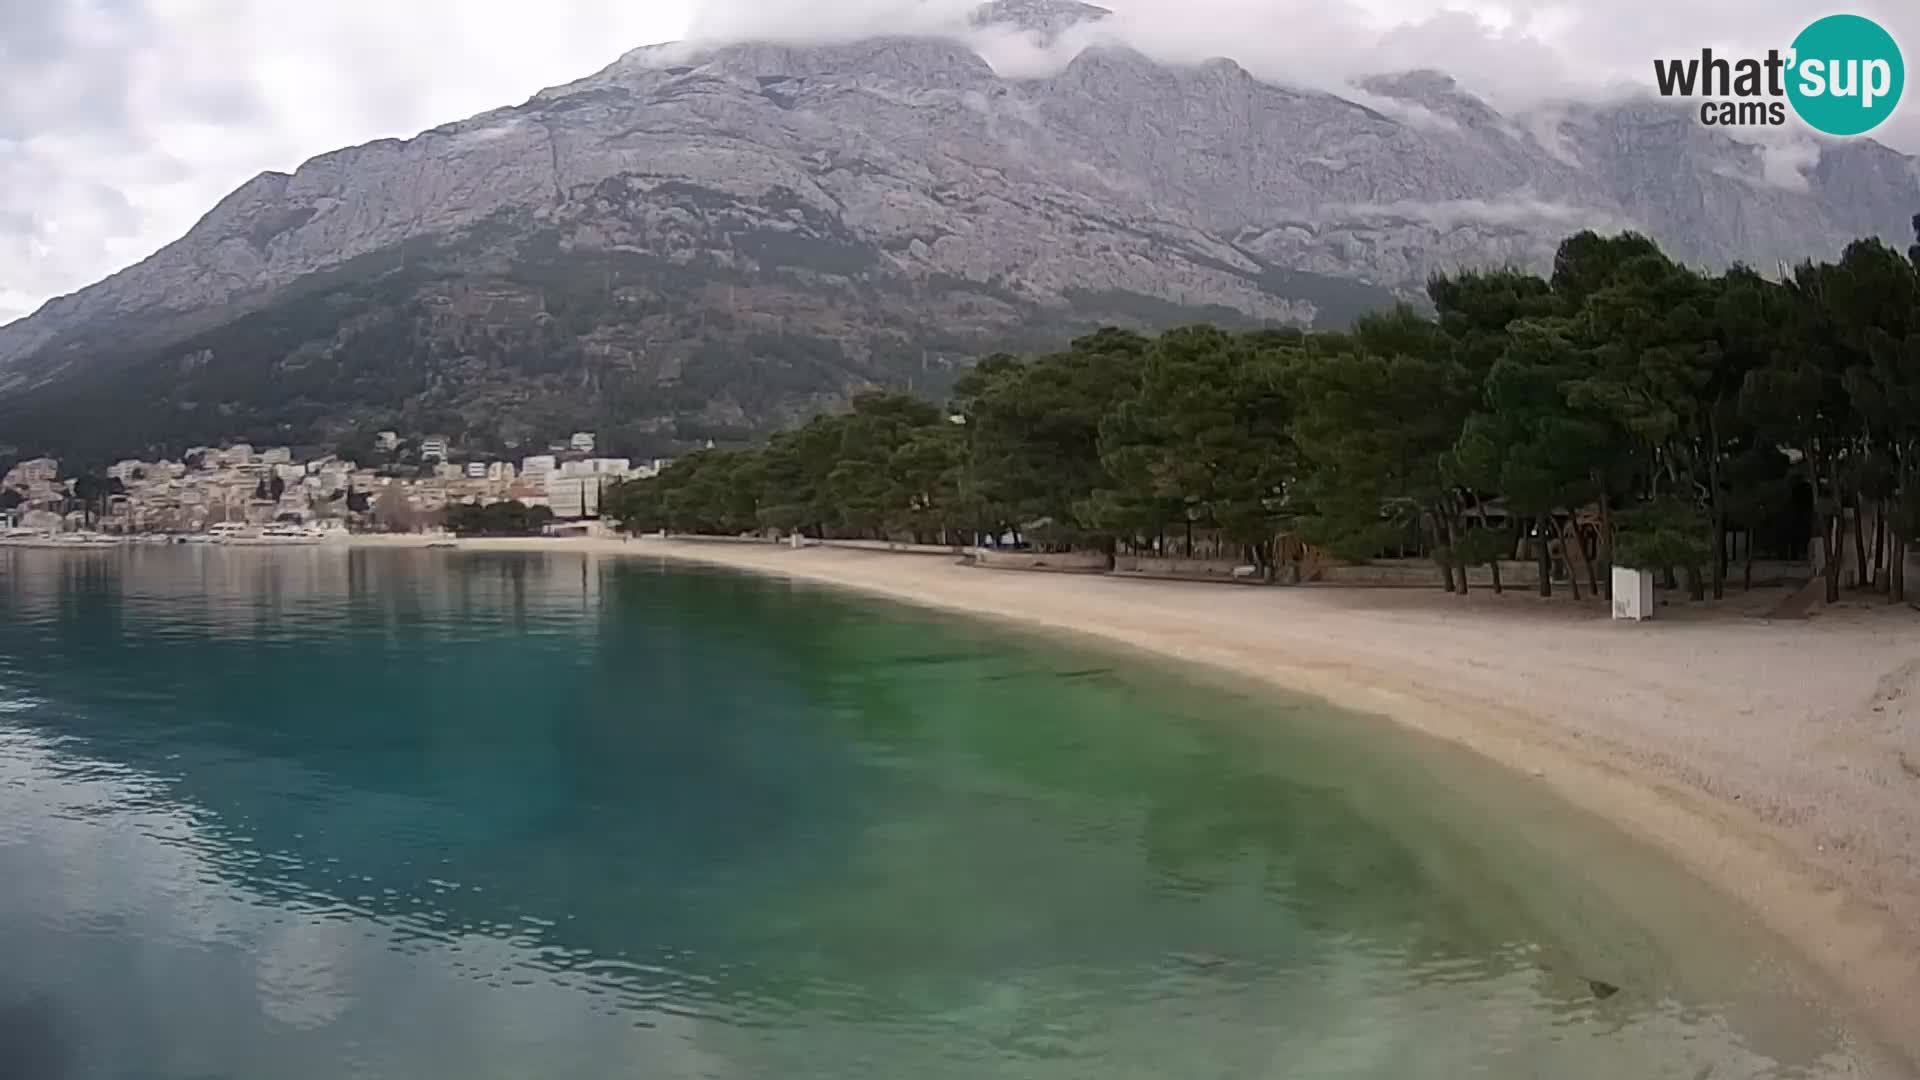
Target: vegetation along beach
(1623, 411)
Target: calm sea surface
(327, 813)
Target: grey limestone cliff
(895, 204)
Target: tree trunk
(1667, 580)
(1576, 556)
(1836, 526)
(1543, 556)
(1446, 566)
(1880, 546)
(1453, 549)
(1897, 573)
(1746, 576)
(1717, 504)
(1696, 585)
(1605, 544)
(1719, 557)
(1860, 543)
(1494, 569)
(1576, 548)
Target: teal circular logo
(1846, 76)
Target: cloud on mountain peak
(122, 121)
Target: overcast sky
(122, 121)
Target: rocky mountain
(708, 242)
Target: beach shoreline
(1777, 761)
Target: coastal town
(242, 490)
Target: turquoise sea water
(319, 813)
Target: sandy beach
(1777, 760)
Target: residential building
(279, 455)
(574, 497)
(433, 447)
(538, 465)
(582, 442)
(29, 474)
(531, 491)
(387, 440)
(476, 470)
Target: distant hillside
(712, 244)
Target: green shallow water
(318, 813)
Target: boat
(292, 534)
(282, 535)
(18, 537)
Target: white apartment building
(582, 442)
(538, 465)
(574, 497)
(433, 446)
(476, 470)
(28, 474)
(616, 468)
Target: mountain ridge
(873, 189)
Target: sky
(123, 121)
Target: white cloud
(1517, 208)
(121, 121)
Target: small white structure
(1632, 594)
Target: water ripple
(383, 814)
